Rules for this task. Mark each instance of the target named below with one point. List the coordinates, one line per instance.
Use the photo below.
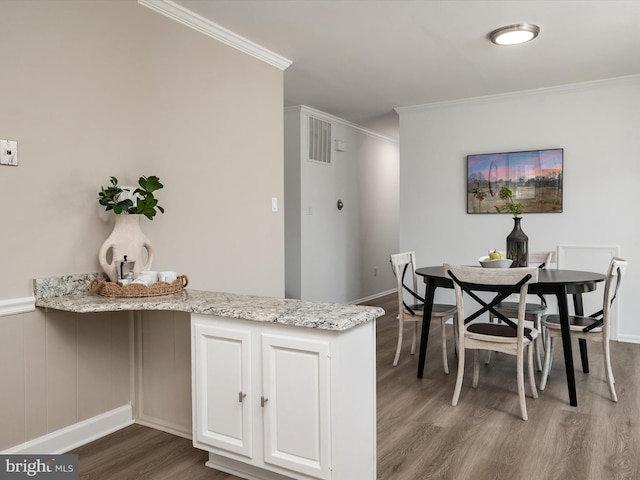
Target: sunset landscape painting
(534, 176)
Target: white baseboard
(373, 297)
(164, 426)
(629, 338)
(78, 434)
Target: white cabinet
(295, 382)
(275, 401)
(223, 388)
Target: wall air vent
(319, 141)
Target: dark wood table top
(549, 280)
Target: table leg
(426, 323)
(583, 355)
(579, 309)
(563, 310)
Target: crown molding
(213, 30)
(333, 119)
(629, 79)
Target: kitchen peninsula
(281, 388)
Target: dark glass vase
(518, 245)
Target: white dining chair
(507, 337)
(404, 267)
(534, 311)
(596, 327)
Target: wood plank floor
(422, 437)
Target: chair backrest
(502, 281)
(617, 267)
(543, 259)
(404, 268)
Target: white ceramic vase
(127, 238)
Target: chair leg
(445, 362)
(548, 351)
(488, 360)
(532, 378)
(543, 335)
(538, 346)
(456, 390)
(400, 330)
(520, 380)
(608, 371)
(413, 341)
(476, 367)
(455, 333)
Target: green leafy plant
(510, 206)
(146, 204)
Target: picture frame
(534, 176)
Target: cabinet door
(222, 363)
(296, 387)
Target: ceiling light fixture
(514, 34)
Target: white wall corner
(78, 434)
(213, 30)
(14, 306)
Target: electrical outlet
(9, 152)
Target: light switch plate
(9, 152)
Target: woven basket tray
(110, 289)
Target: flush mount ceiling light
(514, 34)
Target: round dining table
(558, 282)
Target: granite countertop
(70, 293)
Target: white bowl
(486, 262)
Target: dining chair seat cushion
(438, 310)
(499, 332)
(416, 307)
(576, 323)
(531, 308)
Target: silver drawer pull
(263, 401)
(241, 396)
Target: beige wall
(107, 88)
(164, 372)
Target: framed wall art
(533, 176)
